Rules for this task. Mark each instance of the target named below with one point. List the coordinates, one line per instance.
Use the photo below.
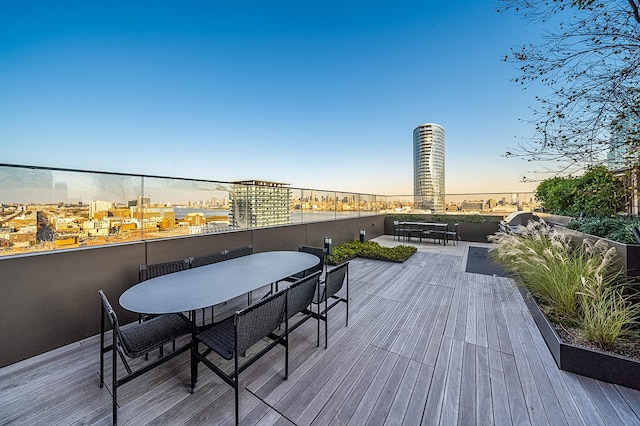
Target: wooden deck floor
(426, 344)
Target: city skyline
(315, 95)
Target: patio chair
(134, 341)
(333, 282)
(452, 234)
(208, 259)
(235, 335)
(434, 231)
(398, 230)
(239, 252)
(299, 299)
(146, 272)
(318, 252)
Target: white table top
(210, 285)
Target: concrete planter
(587, 362)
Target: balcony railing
(43, 208)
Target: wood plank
(435, 398)
(424, 372)
(468, 404)
(517, 403)
(379, 412)
(481, 321)
(499, 397)
(417, 403)
(484, 402)
(451, 400)
(604, 407)
(349, 404)
(402, 396)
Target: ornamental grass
(576, 286)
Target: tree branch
(634, 8)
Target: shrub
(442, 218)
(606, 312)
(620, 230)
(598, 192)
(577, 286)
(371, 250)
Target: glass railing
(491, 203)
(51, 209)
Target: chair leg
(102, 346)
(235, 388)
(326, 321)
(286, 350)
(194, 360)
(114, 378)
(346, 322)
(318, 333)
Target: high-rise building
(428, 167)
(623, 151)
(256, 203)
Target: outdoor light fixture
(328, 246)
(362, 235)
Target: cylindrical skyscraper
(428, 167)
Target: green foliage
(442, 218)
(556, 194)
(598, 192)
(371, 250)
(577, 286)
(606, 312)
(620, 230)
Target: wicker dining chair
(299, 299)
(232, 337)
(318, 252)
(239, 252)
(134, 341)
(146, 272)
(333, 282)
(209, 258)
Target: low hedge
(370, 250)
(442, 218)
(615, 229)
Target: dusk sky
(320, 95)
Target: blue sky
(321, 95)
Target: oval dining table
(210, 285)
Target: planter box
(628, 255)
(587, 362)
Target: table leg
(194, 348)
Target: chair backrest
(335, 278)
(146, 272)
(239, 252)
(258, 320)
(111, 314)
(318, 251)
(301, 293)
(208, 259)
